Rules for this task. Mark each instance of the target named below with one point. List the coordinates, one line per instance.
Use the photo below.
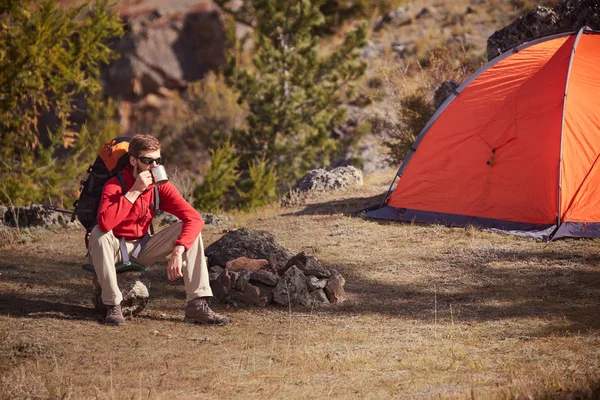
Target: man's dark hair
(141, 143)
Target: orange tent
(515, 148)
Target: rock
(168, 219)
(318, 297)
(292, 289)
(35, 215)
(242, 280)
(219, 291)
(309, 265)
(215, 219)
(540, 21)
(3, 210)
(321, 180)
(250, 295)
(266, 277)
(372, 50)
(315, 283)
(567, 15)
(334, 289)
(216, 268)
(226, 280)
(247, 243)
(134, 288)
(245, 264)
(165, 51)
(425, 12)
(398, 17)
(233, 277)
(443, 92)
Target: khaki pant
(105, 253)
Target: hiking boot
(114, 315)
(198, 312)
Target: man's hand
(175, 263)
(143, 180)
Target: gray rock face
(165, 51)
(568, 15)
(247, 243)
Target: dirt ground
(432, 312)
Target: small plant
(220, 178)
(259, 188)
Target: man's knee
(99, 238)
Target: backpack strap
(156, 205)
(122, 182)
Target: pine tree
(48, 56)
(293, 91)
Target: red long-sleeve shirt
(132, 220)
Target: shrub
(292, 92)
(48, 56)
(219, 180)
(260, 186)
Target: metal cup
(159, 174)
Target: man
(122, 233)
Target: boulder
(315, 283)
(215, 219)
(321, 180)
(334, 288)
(265, 277)
(292, 289)
(134, 288)
(35, 215)
(165, 50)
(309, 265)
(245, 264)
(318, 297)
(247, 243)
(251, 295)
(567, 15)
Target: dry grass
(433, 312)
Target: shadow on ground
(478, 284)
(496, 286)
(347, 206)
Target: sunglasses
(148, 160)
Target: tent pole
(562, 127)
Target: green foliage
(260, 186)
(416, 111)
(48, 55)
(293, 93)
(219, 180)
